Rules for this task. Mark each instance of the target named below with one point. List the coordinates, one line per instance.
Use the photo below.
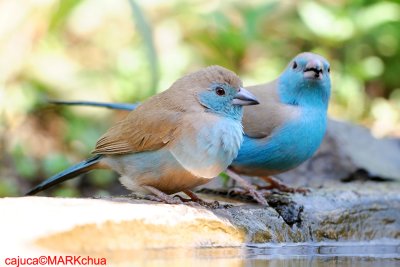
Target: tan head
(216, 89)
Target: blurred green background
(125, 51)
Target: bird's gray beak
(313, 70)
(244, 98)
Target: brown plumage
(140, 131)
(175, 140)
(261, 120)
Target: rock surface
(362, 211)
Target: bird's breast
(298, 139)
(210, 148)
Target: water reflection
(375, 253)
(325, 261)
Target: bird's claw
(276, 184)
(258, 196)
(195, 202)
(284, 188)
(249, 188)
(166, 200)
(250, 192)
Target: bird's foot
(274, 183)
(161, 196)
(194, 198)
(249, 189)
(250, 194)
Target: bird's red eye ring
(220, 91)
(294, 65)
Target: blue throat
(295, 141)
(305, 93)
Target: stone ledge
(36, 224)
(95, 225)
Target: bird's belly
(157, 169)
(254, 170)
(175, 181)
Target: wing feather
(146, 128)
(261, 120)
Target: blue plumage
(219, 105)
(71, 172)
(302, 95)
(303, 92)
(287, 147)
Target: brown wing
(261, 120)
(143, 130)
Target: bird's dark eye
(329, 69)
(294, 65)
(220, 91)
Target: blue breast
(287, 147)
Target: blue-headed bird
(289, 125)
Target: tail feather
(71, 172)
(121, 106)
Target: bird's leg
(257, 196)
(193, 201)
(274, 183)
(193, 196)
(196, 199)
(161, 196)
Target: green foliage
(224, 178)
(62, 10)
(55, 163)
(146, 32)
(66, 192)
(102, 179)
(24, 165)
(127, 50)
(8, 188)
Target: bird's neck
(305, 94)
(234, 112)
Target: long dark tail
(71, 172)
(121, 106)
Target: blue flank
(288, 147)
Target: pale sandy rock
(93, 225)
(117, 225)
